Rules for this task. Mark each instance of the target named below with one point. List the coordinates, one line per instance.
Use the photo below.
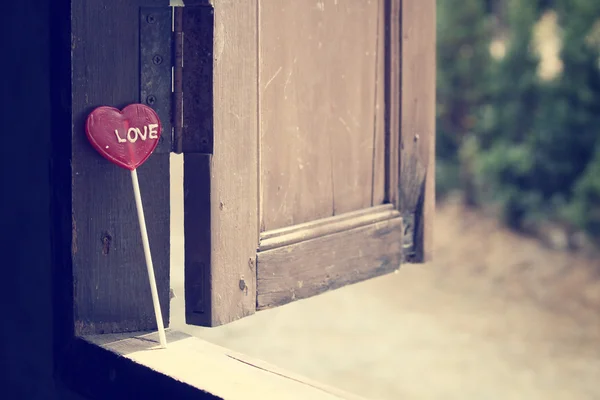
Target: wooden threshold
(213, 370)
(305, 260)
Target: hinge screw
(157, 59)
(150, 18)
(151, 100)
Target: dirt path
(496, 316)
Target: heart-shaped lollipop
(127, 137)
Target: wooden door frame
(221, 190)
(416, 125)
(221, 197)
(85, 365)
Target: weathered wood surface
(111, 291)
(317, 107)
(318, 127)
(230, 177)
(417, 158)
(216, 370)
(378, 192)
(197, 25)
(329, 145)
(393, 110)
(155, 72)
(326, 226)
(310, 267)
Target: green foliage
(532, 145)
(584, 208)
(577, 94)
(463, 53)
(506, 160)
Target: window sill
(125, 365)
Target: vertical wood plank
(353, 100)
(393, 109)
(233, 172)
(197, 238)
(234, 191)
(379, 150)
(418, 127)
(296, 166)
(317, 90)
(198, 27)
(197, 20)
(111, 288)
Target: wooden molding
(306, 268)
(326, 226)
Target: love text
(133, 134)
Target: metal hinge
(166, 85)
(155, 67)
(193, 79)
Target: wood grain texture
(314, 266)
(198, 28)
(232, 177)
(216, 370)
(317, 106)
(417, 176)
(393, 110)
(111, 290)
(326, 226)
(379, 148)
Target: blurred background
(510, 306)
(518, 113)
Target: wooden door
(325, 217)
(301, 192)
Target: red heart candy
(127, 137)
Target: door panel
(323, 149)
(321, 115)
(304, 188)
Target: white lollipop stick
(149, 265)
